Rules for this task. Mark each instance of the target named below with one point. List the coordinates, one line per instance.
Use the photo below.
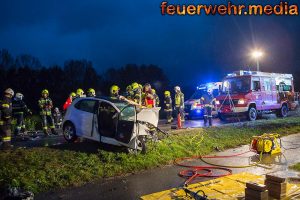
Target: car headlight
(241, 102)
(217, 102)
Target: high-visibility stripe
(6, 139)
(1, 122)
(52, 126)
(5, 105)
(45, 127)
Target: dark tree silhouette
(26, 74)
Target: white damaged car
(110, 121)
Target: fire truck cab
(252, 94)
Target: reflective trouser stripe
(45, 127)
(52, 126)
(1, 122)
(6, 139)
(5, 105)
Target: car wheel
(69, 132)
(141, 145)
(252, 114)
(283, 111)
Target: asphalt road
(136, 185)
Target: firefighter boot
(5, 146)
(205, 120)
(210, 120)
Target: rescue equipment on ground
(266, 143)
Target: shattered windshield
(120, 105)
(127, 112)
(236, 85)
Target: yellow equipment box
(225, 188)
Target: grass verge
(295, 167)
(41, 169)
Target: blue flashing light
(198, 111)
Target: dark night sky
(114, 33)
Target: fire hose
(195, 171)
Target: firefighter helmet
(177, 88)
(167, 93)
(73, 94)
(79, 92)
(135, 86)
(114, 89)
(19, 96)
(45, 91)
(128, 88)
(91, 92)
(9, 91)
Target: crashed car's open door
(126, 124)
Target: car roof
(112, 100)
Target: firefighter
(208, 101)
(45, 104)
(168, 106)
(19, 108)
(129, 92)
(156, 98)
(91, 93)
(179, 102)
(57, 118)
(5, 119)
(148, 97)
(114, 92)
(79, 93)
(136, 93)
(69, 100)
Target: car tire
(141, 145)
(252, 114)
(283, 111)
(69, 132)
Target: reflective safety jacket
(137, 96)
(179, 100)
(208, 100)
(168, 104)
(45, 105)
(19, 107)
(5, 111)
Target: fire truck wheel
(283, 111)
(252, 114)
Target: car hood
(150, 115)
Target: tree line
(26, 74)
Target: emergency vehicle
(252, 94)
(192, 107)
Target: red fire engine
(252, 94)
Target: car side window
(86, 105)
